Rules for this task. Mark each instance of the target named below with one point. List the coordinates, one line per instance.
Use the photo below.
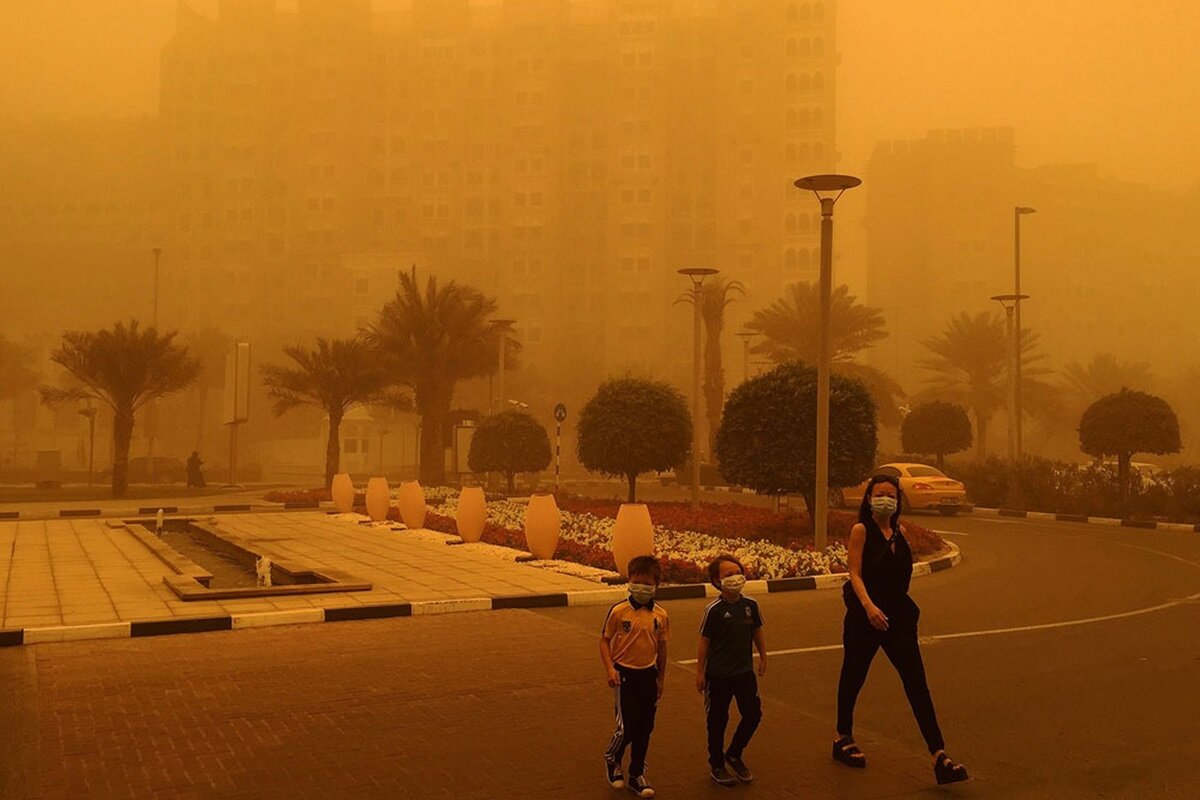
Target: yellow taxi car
(924, 487)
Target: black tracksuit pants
(717, 694)
(636, 700)
(860, 642)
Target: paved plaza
(70, 572)
(1061, 659)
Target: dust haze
(289, 159)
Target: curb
(166, 627)
(1114, 522)
(141, 511)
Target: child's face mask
(733, 583)
(641, 592)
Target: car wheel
(948, 511)
(837, 499)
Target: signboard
(560, 412)
(237, 385)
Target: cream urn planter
(378, 501)
(633, 535)
(412, 504)
(471, 514)
(543, 525)
(341, 491)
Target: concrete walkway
(70, 572)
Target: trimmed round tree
(768, 436)
(508, 443)
(631, 426)
(1125, 423)
(936, 428)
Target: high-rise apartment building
(565, 156)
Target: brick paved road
(464, 706)
(511, 703)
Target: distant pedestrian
(729, 632)
(633, 647)
(879, 613)
(194, 476)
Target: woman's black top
(885, 573)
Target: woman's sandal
(946, 771)
(847, 752)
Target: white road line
(995, 631)
(951, 533)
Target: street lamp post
(1009, 302)
(502, 326)
(828, 189)
(1018, 212)
(157, 252)
(746, 336)
(697, 276)
(151, 411)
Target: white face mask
(882, 504)
(641, 592)
(733, 583)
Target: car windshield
(925, 472)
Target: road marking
(996, 631)
(951, 533)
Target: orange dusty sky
(1104, 81)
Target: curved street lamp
(828, 189)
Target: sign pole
(560, 414)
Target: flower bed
(771, 545)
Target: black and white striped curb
(1114, 522)
(606, 596)
(133, 511)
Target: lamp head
(1026, 210)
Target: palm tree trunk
(433, 403)
(333, 448)
(981, 431)
(714, 387)
(511, 476)
(122, 435)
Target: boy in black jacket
(731, 629)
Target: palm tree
(969, 363)
(1103, 376)
(714, 299)
(789, 330)
(336, 376)
(124, 368)
(434, 339)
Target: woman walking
(879, 613)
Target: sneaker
(722, 776)
(740, 769)
(616, 778)
(640, 786)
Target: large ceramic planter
(412, 504)
(543, 524)
(341, 491)
(378, 501)
(471, 514)
(633, 535)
